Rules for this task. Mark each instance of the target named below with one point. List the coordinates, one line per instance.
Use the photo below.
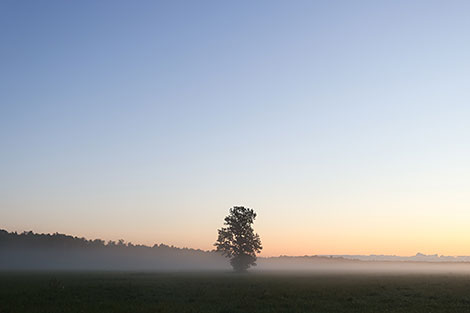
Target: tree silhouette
(237, 240)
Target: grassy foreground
(227, 292)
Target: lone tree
(237, 240)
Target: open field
(227, 292)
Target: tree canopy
(237, 239)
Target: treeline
(56, 240)
(34, 251)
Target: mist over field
(343, 266)
(46, 252)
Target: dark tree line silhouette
(29, 238)
(61, 240)
(29, 250)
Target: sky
(343, 124)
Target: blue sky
(147, 121)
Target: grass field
(227, 292)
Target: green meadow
(61, 292)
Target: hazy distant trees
(56, 240)
(237, 240)
(32, 251)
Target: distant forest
(51, 252)
(34, 251)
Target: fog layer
(30, 251)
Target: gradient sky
(344, 124)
